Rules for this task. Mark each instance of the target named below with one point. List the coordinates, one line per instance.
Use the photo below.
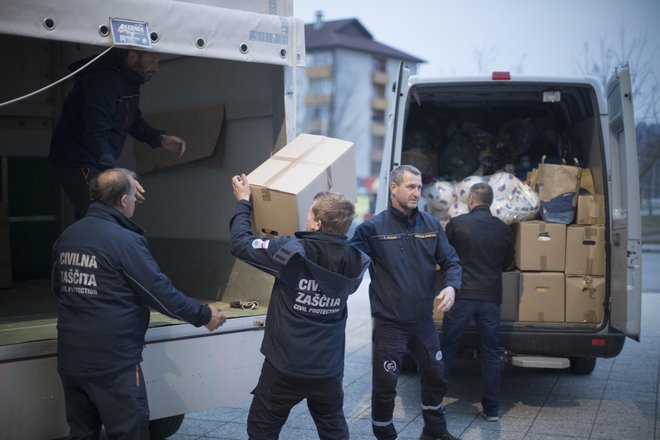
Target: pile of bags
(513, 200)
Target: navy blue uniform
(304, 339)
(405, 251)
(106, 280)
(101, 110)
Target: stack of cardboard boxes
(561, 270)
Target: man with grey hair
(484, 245)
(405, 245)
(106, 279)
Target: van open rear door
(625, 230)
(394, 139)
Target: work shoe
(494, 418)
(445, 436)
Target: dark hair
(335, 212)
(396, 175)
(482, 192)
(111, 185)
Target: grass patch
(651, 229)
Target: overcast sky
(528, 36)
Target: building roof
(349, 34)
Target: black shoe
(445, 436)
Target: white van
(226, 84)
(560, 117)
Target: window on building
(379, 64)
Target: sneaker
(445, 436)
(494, 418)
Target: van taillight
(597, 342)
(501, 76)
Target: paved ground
(618, 401)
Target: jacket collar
(481, 209)
(401, 217)
(100, 210)
(320, 235)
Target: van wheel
(160, 429)
(583, 365)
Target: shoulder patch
(258, 243)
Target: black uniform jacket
(106, 279)
(314, 275)
(405, 252)
(97, 116)
(484, 245)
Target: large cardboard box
(590, 210)
(540, 246)
(284, 186)
(585, 297)
(585, 250)
(510, 295)
(541, 297)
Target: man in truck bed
(101, 110)
(304, 340)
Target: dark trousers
(487, 318)
(75, 183)
(117, 401)
(391, 341)
(276, 394)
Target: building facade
(342, 93)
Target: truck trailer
(226, 84)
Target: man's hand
(174, 144)
(446, 299)
(139, 192)
(241, 187)
(217, 318)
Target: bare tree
(601, 60)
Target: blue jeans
(487, 318)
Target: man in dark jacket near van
(101, 110)
(304, 339)
(106, 280)
(406, 245)
(485, 247)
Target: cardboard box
(585, 250)
(585, 296)
(284, 186)
(541, 297)
(510, 292)
(590, 210)
(540, 246)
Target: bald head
(116, 188)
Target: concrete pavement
(619, 400)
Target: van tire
(583, 365)
(160, 429)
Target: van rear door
(625, 230)
(392, 149)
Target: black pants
(276, 394)
(391, 341)
(75, 182)
(117, 401)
